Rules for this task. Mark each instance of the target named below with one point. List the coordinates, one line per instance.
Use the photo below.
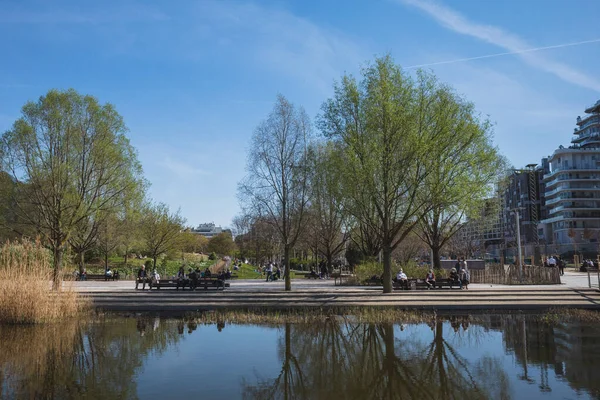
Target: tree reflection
(338, 359)
(75, 360)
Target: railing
(509, 275)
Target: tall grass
(25, 287)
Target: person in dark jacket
(141, 277)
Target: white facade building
(572, 186)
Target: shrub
(366, 270)
(212, 256)
(25, 295)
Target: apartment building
(572, 188)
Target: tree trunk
(105, 262)
(154, 263)
(126, 251)
(435, 253)
(286, 265)
(387, 268)
(81, 262)
(56, 280)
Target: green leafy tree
(329, 217)
(221, 244)
(70, 160)
(277, 185)
(384, 123)
(160, 230)
(462, 164)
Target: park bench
(210, 283)
(99, 277)
(416, 284)
(166, 283)
(311, 276)
(374, 280)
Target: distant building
(572, 187)
(209, 230)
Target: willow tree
(70, 160)
(385, 124)
(462, 164)
(277, 184)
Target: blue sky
(194, 78)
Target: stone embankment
(121, 297)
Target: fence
(509, 275)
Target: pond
(469, 357)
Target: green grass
(247, 271)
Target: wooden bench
(416, 284)
(168, 283)
(201, 283)
(209, 283)
(373, 280)
(99, 277)
(311, 276)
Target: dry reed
(25, 287)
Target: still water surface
(495, 357)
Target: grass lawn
(247, 271)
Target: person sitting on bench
(313, 273)
(402, 279)
(141, 277)
(155, 277)
(207, 273)
(181, 278)
(430, 279)
(108, 274)
(193, 277)
(454, 278)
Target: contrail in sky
(508, 53)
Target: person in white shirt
(552, 262)
(402, 279)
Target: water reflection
(498, 357)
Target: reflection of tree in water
(365, 361)
(96, 360)
(450, 376)
(289, 384)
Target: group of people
(555, 261)
(458, 275)
(587, 265)
(191, 278)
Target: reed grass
(25, 287)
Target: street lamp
(516, 212)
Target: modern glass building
(572, 187)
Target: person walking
(561, 265)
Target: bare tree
(277, 182)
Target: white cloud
(182, 169)
(280, 41)
(456, 22)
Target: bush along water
(25, 287)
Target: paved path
(243, 294)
